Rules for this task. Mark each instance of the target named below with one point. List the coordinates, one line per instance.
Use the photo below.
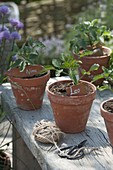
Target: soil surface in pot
(97, 51)
(108, 106)
(34, 76)
(60, 88)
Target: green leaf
(87, 73)
(29, 61)
(49, 67)
(97, 77)
(94, 22)
(94, 67)
(86, 53)
(16, 64)
(2, 79)
(56, 63)
(46, 69)
(105, 87)
(58, 72)
(33, 56)
(83, 72)
(73, 76)
(22, 66)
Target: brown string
(46, 132)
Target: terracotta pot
(71, 112)
(28, 90)
(88, 61)
(108, 118)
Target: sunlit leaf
(22, 66)
(94, 67)
(56, 63)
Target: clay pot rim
(8, 73)
(96, 57)
(108, 116)
(103, 110)
(30, 78)
(86, 82)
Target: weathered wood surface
(48, 159)
(23, 158)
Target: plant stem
(3, 22)
(89, 39)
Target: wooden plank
(95, 134)
(22, 157)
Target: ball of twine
(46, 132)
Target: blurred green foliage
(101, 10)
(16, 1)
(19, 1)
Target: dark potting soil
(109, 106)
(60, 88)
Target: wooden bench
(32, 155)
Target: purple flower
(15, 35)
(5, 35)
(14, 58)
(4, 10)
(14, 22)
(3, 28)
(19, 26)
